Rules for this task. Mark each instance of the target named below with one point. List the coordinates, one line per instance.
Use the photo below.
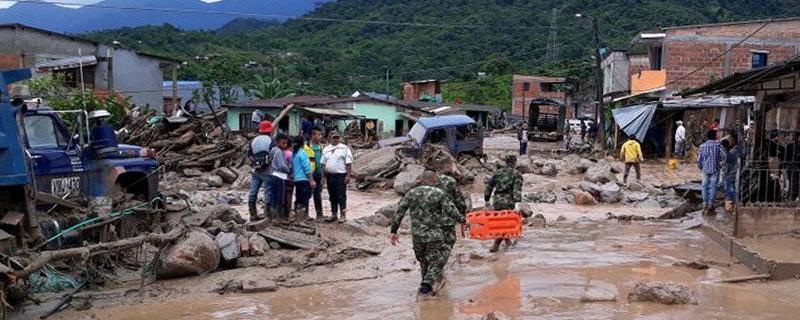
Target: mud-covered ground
(544, 276)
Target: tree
(57, 95)
(264, 88)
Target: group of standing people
(293, 170)
(718, 159)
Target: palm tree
(264, 88)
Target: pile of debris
(394, 167)
(355, 137)
(197, 143)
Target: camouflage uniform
(507, 186)
(450, 187)
(431, 212)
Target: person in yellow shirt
(631, 154)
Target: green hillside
(499, 36)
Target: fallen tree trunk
(100, 248)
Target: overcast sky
(6, 4)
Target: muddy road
(544, 276)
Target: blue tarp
(635, 120)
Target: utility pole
(387, 82)
(552, 42)
(600, 113)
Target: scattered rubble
(540, 197)
(661, 292)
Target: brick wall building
(526, 88)
(676, 52)
(416, 90)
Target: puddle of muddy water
(543, 277)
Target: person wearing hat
(680, 138)
(258, 154)
(337, 165)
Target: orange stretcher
(490, 225)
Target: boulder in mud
(661, 292)
(525, 209)
(583, 198)
(194, 254)
(636, 196)
(600, 173)
(192, 172)
(593, 188)
(540, 197)
(412, 176)
(610, 193)
(223, 213)
(212, 180)
(228, 246)
(495, 315)
(600, 294)
(227, 175)
(537, 221)
(258, 245)
(388, 210)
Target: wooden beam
(49, 198)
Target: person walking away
(522, 137)
(449, 185)
(709, 161)
(631, 154)
(258, 154)
(729, 170)
(506, 184)
(315, 146)
(680, 139)
(337, 163)
(306, 125)
(277, 175)
(303, 178)
(256, 117)
(433, 215)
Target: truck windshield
(42, 133)
(417, 132)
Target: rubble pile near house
(197, 143)
(355, 138)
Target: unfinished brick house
(676, 52)
(430, 90)
(526, 88)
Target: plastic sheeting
(635, 120)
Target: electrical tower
(552, 41)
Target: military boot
(343, 216)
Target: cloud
(78, 3)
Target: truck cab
(88, 163)
(458, 133)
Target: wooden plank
(762, 276)
(290, 238)
(49, 198)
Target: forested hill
(426, 38)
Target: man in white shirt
(337, 163)
(680, 139)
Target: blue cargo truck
(47, 166)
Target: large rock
(258, 245)
(636, 196)
(412, 176)
(387, 211)
(192, 172)
(540, 197)
(228, 246)
(591, 188)
(600, 173)
(610, 193)
(607, 293)
(525, 209)
(212, 180)
(549, 170)
(373, 162)
(195, 254)
(227, 175)
(583, 198)
(661, 292)
(223, 213)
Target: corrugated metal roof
(67, 63)
(444, 121)
(334, 112)
(635, 120)
(716, 101)
(299, 101)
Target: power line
(273, 16)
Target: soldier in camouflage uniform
(432, 212)
(450, 187)
(506, 183)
